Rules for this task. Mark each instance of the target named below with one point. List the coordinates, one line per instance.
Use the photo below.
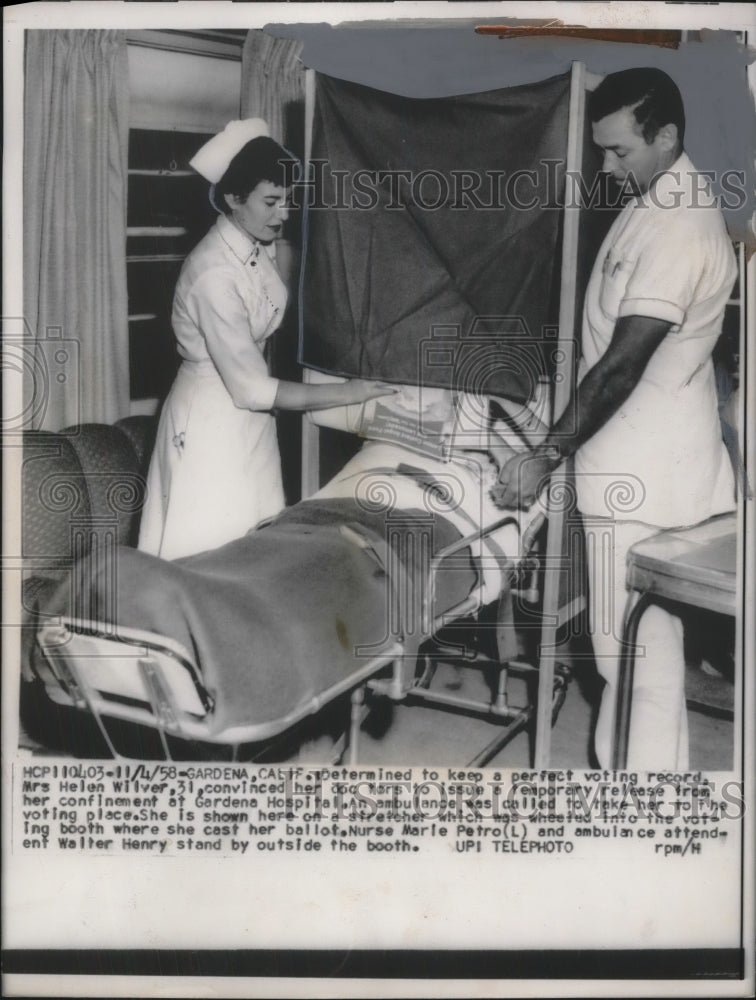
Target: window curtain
(273, 86)
(76, 129)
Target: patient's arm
(500, 450)
(505, 443)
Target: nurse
(215, 471)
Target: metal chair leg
(625, 677)
(356, 717)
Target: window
(168, 213)
(185, 87)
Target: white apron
(215, 472)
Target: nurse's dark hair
(261, 159)
(653, 97)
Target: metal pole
(562, 390)
(310, 431)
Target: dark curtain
(432, 235)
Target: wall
(182, 90)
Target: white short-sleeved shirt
(229, 299)
(660, 458)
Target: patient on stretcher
(281, 617)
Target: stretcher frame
(555, 615)
(146, 679)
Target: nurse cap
(213, 159)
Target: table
(695, 566)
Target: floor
(417, 733)
(422, 734)
(404, 733)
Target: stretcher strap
(429, 484)
(393, 566)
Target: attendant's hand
(521, 479)
(357, 390)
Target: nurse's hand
(357, 390)
(521, 480)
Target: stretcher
(404, 544)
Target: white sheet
(463, 498)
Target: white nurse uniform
(216, 471)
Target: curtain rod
(192, 43)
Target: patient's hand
(521, 480)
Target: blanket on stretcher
(275, 618)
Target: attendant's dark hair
(652, 96)
(261, 159)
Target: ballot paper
(421, 419)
